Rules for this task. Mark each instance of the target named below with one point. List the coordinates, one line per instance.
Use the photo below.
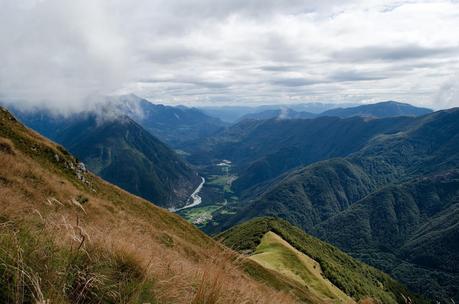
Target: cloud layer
(60, 52)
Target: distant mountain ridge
(284, 113)
(173, 125)
(232, 114)
(379, 110)
(376, 110)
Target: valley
(316, 173)
(217, 197)
(229, 152)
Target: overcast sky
(59, 52)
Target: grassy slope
(275, 253)
(351, 276)
(82, 240)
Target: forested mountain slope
(263, 150)
(385, 199)
(122, 152)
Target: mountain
(232, 114)
(172, 125)
(394, 202)
(376, 110)
(410, 230)
(327, 271)
(284, 113)
(379, 110)
(66, 236)
(123, 153)
(263, 150)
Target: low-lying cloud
(63, 54)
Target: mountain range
(232, 114)
(386, 174)
(263, 150)
(394, 200)
(378, 110)
(67, 236)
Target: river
(195, 198)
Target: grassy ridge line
(275, 253)
(351, 276)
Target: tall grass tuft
(34, 270)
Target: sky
(66, 53)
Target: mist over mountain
(172, 125)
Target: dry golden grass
(184, 265)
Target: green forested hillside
(410, 179)
(263, 150)
(122, 152)
(409, 230)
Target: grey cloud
(295, 82)
(51, 57)
(396, 53)
(199, 83)
(353, 75)
(279, 68)
(65, 54)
